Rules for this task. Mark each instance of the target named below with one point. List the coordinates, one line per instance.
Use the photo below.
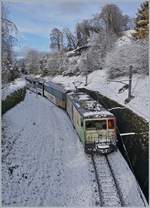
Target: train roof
(35, 79)
(56, 86)
(88, 107)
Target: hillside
(98, 81)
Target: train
(95, 125)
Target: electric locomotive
(95, 125)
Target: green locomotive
(95, 125)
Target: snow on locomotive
(95, 125)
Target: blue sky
(35, 18)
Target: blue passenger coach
(55, 93)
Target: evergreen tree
(142, 22)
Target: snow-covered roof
(88, 107)
(77, 50)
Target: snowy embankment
(44, 164)
(131, 191)
(12, 87)
(97, 81)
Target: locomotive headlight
(88, 137)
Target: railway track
(109, 191)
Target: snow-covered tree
(70, 65)
(71, 40)
(32, 61)
(121, 57)
(114, 20)
(95, 24)
(9, 31)
(56, 40)
(83, 32)
(53, 64)
(93, 58)
(100, 44)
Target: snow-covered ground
(97, 81)
(12, 87)
(44, 164)
(126, 38)
(131, 192)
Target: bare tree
(95, 24)
(56, 38)
(70, 39)
(126, 21)
(83, 32)
(86, 28)
(113, 18)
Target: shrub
(13, 99)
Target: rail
(108, 188)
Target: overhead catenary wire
(116, 108)
(134, 133)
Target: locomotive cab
(100, 135)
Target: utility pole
(130, 82)
(76, 88)
(130, 86)
(86, 79)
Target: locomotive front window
(96, 125)
(111, 124)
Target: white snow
(130, 189)
(125, 38)
(97, 113)
(129, 33)
(84, 97)
(49, 165)
(43, 161)
(97, 81)
(12, 87)
(70, 53)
